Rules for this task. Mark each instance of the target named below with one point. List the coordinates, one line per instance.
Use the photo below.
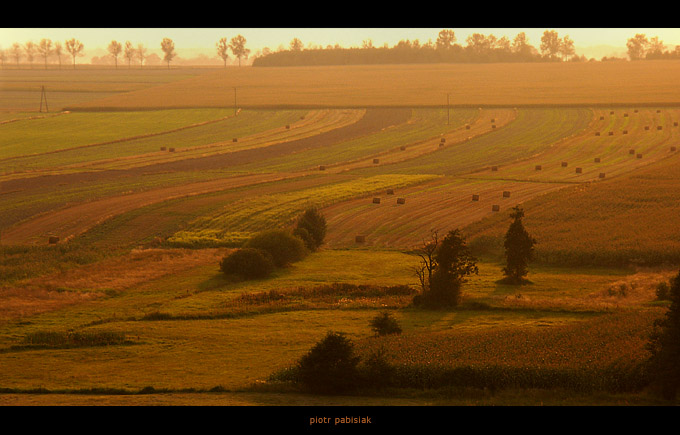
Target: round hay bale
(360, 239)
(164, 148)
(53, 240)
(597, 160)
(673, 149)
(625, 115)
(611, 133)
(443, 140)
(564, 164)
(403, 148)
(172, 150)
(467, 126)
(390, 191)
(646, 127)
(658, 110)
(539, 167)
(376, 161)
(234, 140)
(506, 194)
(376, 200)
(287, 126)
(675, 124)
(625, 131)
(401, 200)
(601, 174)
(322, 168)
(597, 133)
(495, 208)
(493, 120)
(475, 197)
(579, 170)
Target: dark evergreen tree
(519, 249)
(664, 364)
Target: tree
(296, 45)
(519, 249)
(445, 266)
(248, 263)
(29, 48)
(314, 223)
(74, 47)
(655, 49)
(58, 52)
(330, 367)
(141, 54)
(550, 44)
(129, 52)
(3, 57)
(45, 49)
(115, 48)
(445, 39)
(222, 50)
(664, 346)
(15, 52)
(238, 48)
(637, 46)
(567, 50)
(283, 246)
(168, 48)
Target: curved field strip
(532, 131)
(234, 223)
(440, 205)
(635, 141)
(95, 155)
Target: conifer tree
(519, 249)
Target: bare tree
(115, 48)
(168, 48)
(45, 49)
(29, 48)
(222, 49)
(15, 52)
(141, 54)
(58, 52)
(238, 47)
(129, 52)
(428, 263)
(74, 47)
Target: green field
(134, 300)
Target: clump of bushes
(385, 324)
(68, 339)
(283, 247)
(311, 228)
(248, 263)
(663, 291)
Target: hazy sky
(190, 39)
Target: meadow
(130, 306)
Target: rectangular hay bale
(376, 200)
(475, 197)
(495, 208)
(506, 194)
(360, 239)
(401, 200)
(579, 170)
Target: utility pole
(43, 95)
(234, 101)
(448, 109)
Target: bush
(663, 291)
(315, 224)
(385, 324)
(306, 237)
(283, 246)
(248, 263)
(330, 367)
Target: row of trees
(640, 47)
(46, 49)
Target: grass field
(131, 298)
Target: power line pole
(448, 110)
(234, 101)
(43, 95)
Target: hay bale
(401, 200)
(611, 113)
(579, 170)
(467, 126)
(403, 148)
(601, 118)
(287, 126)
(493, 120)
(322, 168)
(164, 148)
(611, 133)
(601, 174)
(376, 200)
(53, 240)
(646, 127)
(539, 167)
(376, 161)
(172, 150)
(360, 239)
(506, 194)
(597, 133)
(639, 156)
(234, 140)
(443, 140)
(625, 131)
(493, 126)
(631, 152)
(659, 127)
(390, 191)
(494, 168)
(658, 110)
(441, 145)
(597, 160)
(675, 124)
(495, 208)
(475, 197)
(625, 115)
(564, 164)
(635, 111)
(673, 149)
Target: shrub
(315, 224)
(283, 246)
(663, 291)
(248, 263)
(330, 367)
(306, 237)
(385, 324)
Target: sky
(191, 41)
